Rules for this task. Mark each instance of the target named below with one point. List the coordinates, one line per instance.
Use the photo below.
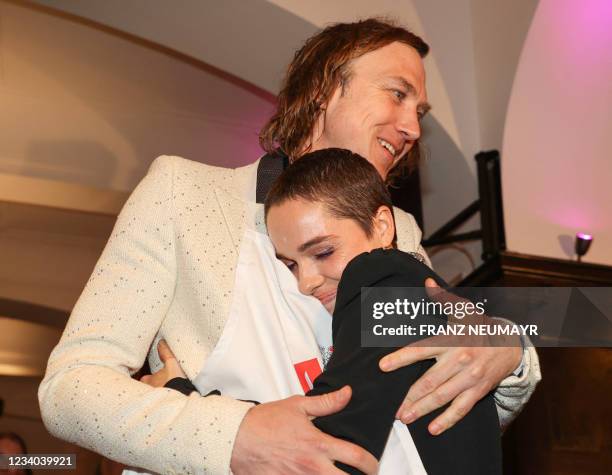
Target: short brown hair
(346, 183)
(317, 69)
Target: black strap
(271, 165)
(182, 385)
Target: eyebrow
(308, 244)
(426, 106)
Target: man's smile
(390, 148)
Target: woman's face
(317, 246)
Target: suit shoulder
(382, 268)
(405, 219)
(386, 267)
(189, 173)
(408, 231)
(184, 164)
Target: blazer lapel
(239, 213)
(234, 211)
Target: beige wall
(47, 254)
(499, 29)
(83, 105)
(229, 34)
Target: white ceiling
(229, 35)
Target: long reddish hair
(317, 69)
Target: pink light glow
(557, 132)
(583, 28)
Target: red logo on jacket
(307, 371)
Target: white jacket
(168, 271)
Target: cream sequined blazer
(168, 270)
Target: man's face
(377, 113)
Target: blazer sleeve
(472, 446)
(87, 396)
(368, 417)
(514, 391)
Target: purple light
(586, 237)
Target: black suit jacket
(472, 446)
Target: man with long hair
(189, 261)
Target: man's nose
(309, 280)
(409, 125)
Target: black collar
(271, 165)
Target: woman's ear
(384, 226)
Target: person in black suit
(330, 218)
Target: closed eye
(325, 254)
(290, 265)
